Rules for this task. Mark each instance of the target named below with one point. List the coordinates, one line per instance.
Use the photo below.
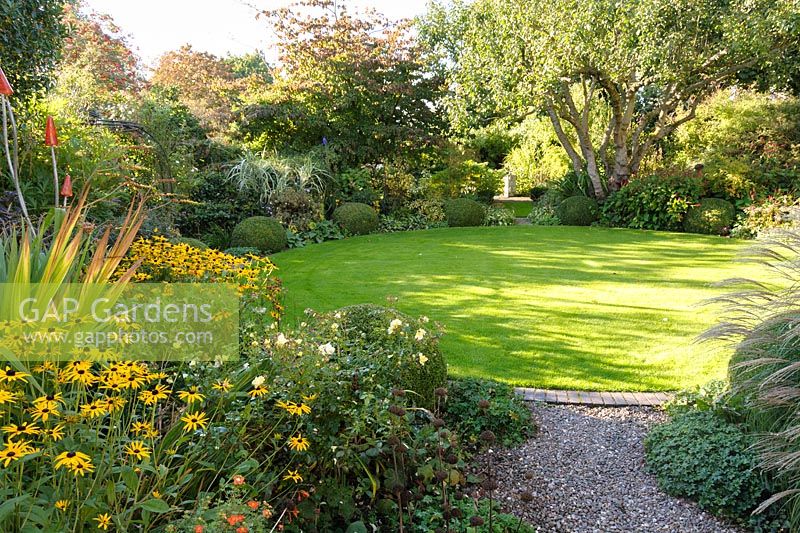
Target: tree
(354, 81)
(96, 47)
(205, 83)
(634, 70)
(31, 35)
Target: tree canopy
(615, 77)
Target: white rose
(422, 359)
(327, 349)
(394, 325)
(282, 340)
(420, 334)
(258, 381)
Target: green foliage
(242, 251)
(429, 516)
(262, 176)
(467, 178)
(771, 213)
(263, 233)
(296, 209)
(749, 144)
(578, 211)
(575, 184)
(197, 243)
(492, 144)
(545, 209)
(712, 216)
(31, 37)
(355, 218)
(317, 232)
(462, 212)
(477, 405)
(379, 333)
(537, 191)
(354, 185)
(539, 159)
(698, 455)
(652, 202)
(713, 396)
(499, 216)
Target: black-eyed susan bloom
(152, 395)
(14, 451)
(74, 461)
(103, 521)
(62, 505)
(222, 385)
(95, 409)
(299, 443)
(293, 475)
(24, 428)
(190, 396)
(55, 433)
(194, 421)
(7, 397)
(137, 449)
(50, 400)
(9, 375)
(43, 412)
(260, 390)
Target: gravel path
(584, 472)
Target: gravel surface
(584, 472)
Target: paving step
(614, 399)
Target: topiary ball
(196, 243)
(462, 212)
(578, 211)
(264, 233)
(371, 328)
(713, 216)
(356, 218)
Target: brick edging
(612, 399)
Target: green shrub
(698, 455)
(578, 211)
(499, 216)
(324, 230)
(770, 213)
(196, 243)
(537, 191)
(577, 184)
(380, 332)
(652, 202)
(264, 233)
(296, 210)
(712, 216)
(463, 212)
(539, 158)
(356, 219)
(467, 178)
(242, 251)
(477, 405)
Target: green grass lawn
(555, 307)
(520, 209)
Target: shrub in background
(264, 233)
(196, 243)
(499, 216)
(652, 202)
(467, 178)
(771, 213)
(380, 332)
(700, 456)
(297, 210)
(545, 210)
(477, 405)
(712, 216)
(356, 219)
(463, 212)
(576, 184)
(324, 230)
(539, 158)
(578, 211)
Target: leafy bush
(539, 158)
(405, 222)
(492, 143)
(537, 191)
(260, 176)
(242, 251)
(467, 178)
(477, 405)
(771, 213)
(354, 185)
(698, 455)
(652, 202)
(432, 209)
(297, 210)
(324, 230)
(196, 243)
(545, 210)
(576, 184)
(263, 233)
(499, 216)
(578, 211)
(747, 142)
(383, 332)
(356, 219)
(712, 216)
(463, 212)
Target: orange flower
(242, 529)
(235, 519)
(198, 529)
(302, 495)
(252, 504)
(238, 480)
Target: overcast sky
(216, 26)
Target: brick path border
(612, 399)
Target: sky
(216, 26)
